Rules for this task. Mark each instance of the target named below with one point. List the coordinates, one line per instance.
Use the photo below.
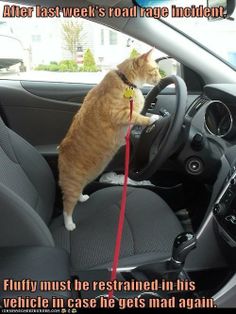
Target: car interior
(182, 225)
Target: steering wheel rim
(163, 150)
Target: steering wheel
(159, 140)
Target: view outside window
(67, 50)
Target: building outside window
(102, 37)
(112, 38)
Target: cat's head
(141, 70)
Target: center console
(224, 210)
(157, 275)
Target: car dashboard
(218, 111)
(213, 114)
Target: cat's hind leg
(69, 205)
(68, 221)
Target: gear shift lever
(184, 243)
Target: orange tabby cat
(98, 129)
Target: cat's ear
(144, 57)
(148, 55)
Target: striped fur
(98, 129)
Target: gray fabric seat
(27, 194)
(149, 230)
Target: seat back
(25, 173)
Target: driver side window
(67, 50)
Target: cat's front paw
(83, 198)
(154, 118)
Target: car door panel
(70, 92)
(38, 119)
(29, 109)
(41, 112)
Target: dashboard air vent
(197, 104)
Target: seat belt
(129, 93)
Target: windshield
(218, 36)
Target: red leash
(123, 201)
